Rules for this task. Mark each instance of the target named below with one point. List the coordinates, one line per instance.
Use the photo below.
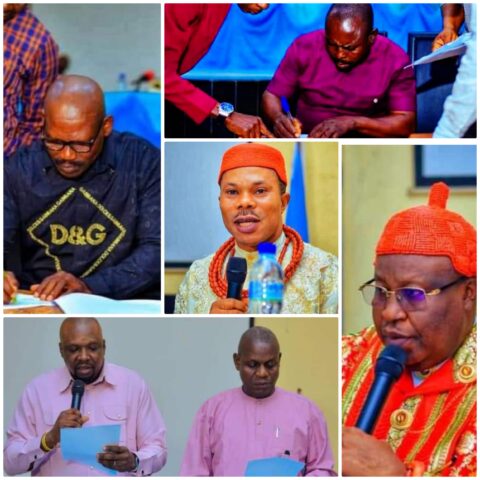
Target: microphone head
(391, 361)
(236, 270)
(148, 75)
(78, 387)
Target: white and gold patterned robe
(312, 289)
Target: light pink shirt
(231, 428)
(119, 396)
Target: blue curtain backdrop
(136, 112)
(297, 210)
(252, 46)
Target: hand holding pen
(10, 287)
(285, 124)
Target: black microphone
(146, 76)
(388, 369)
(236, 274)
(78, 388)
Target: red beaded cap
(253, 155)
(432, 230)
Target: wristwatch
(225, 109)
(137, 462)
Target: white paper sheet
(83, 303)
(452, 49)
(24, 300)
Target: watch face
(225, 109)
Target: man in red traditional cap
(423, 298)
(253, 197)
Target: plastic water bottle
(122, 82)
(265, 291)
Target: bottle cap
(267, 247)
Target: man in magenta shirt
(257, 420)
(113, 395)
(349, 81)
(190, 30)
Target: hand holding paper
(452, 49)
(118, 458)
(82, 445)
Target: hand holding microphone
(71, 418)
(363, 454)
(236, 275)
(388, 369)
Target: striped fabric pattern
(434, 422)
(30, 66)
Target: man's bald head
(348, 12)
(82, 347)
(75, 95)
(80, 324)
(257, 335)
(258, 362)
(349, 34)
(75, 124)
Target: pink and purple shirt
(231, 428)
(377, 86)
(118, 396)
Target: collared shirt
(103, 227)
(118, 396)
(231, 428)
(312, 289)
(377, 86)
(30, 65)
(190, 30)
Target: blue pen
(286, 108)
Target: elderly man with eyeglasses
(82, 206)
(423, 298)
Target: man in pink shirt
(190, 30)
(113, 395)
(257, 420)
(349, 81)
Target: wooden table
(421, 135)
(32, 310)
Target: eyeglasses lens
(57, 146)
(373, 295)
(409, 298)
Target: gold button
(401, 419)
(466, 373)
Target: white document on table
(84, 303)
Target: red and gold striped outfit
(434, 422)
